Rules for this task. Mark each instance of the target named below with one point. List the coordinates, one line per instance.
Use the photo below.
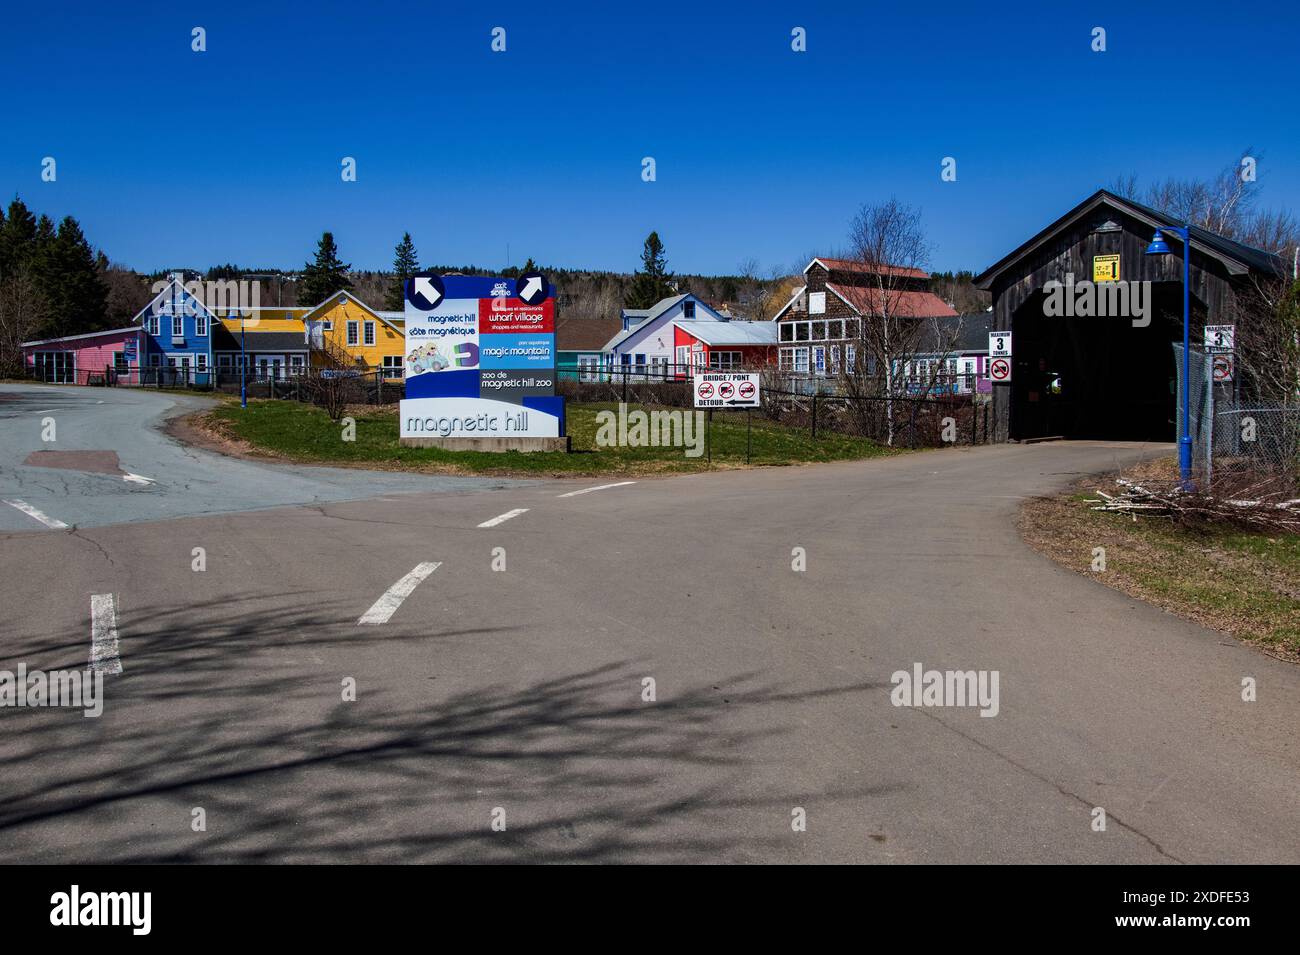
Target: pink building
(82, 359)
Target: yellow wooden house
(345, 332)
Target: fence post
(625, 371)
(814, 414)
(972, 421)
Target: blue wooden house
(176, 347)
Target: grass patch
(1241, 583)
(304, 433)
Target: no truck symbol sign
(705, 390)
(747, 390)
(1000, 369)
(726, 390)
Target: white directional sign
(1219, 339)
(725, 389)
(999, 344)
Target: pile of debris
(1252, 508)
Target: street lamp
(243, 364)
(1158, 246)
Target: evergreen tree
(652, 282)
(405, 264)
(17, 235)
(325, 275)
(69, 279)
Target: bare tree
(887, 243)
(22, 311)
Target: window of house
(835, 329)
(155, 359)
(816, 303)
(151, 324)
(640, 363)
(587, 367)
(626, 361)
(119, 363)
(818, 331)
(683, 357)
(725, 360)
(850, 328)
(819, 360)
(296, 364)
(688, 309)
(835, 359)
(200, 324)
(201, 362)
(801, 360)
(354, 333)
(178, 326)
(801, 331)
(785, 359)
(370, 333)
(851, 358)
(224, 361)
(58, 367)
(787, 331)
(327, 324)
(392, 366)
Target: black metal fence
(374, 387)
(922, 412)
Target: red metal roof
(867, 301)
(851, 265)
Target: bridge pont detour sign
(479, 364)
(724, 389)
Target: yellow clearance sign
(1105, 268)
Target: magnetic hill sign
(480, 358)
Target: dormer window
(688, 309)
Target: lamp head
(1158, 245)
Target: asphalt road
(168, 479)
(523, 690)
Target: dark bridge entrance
(1096, 377)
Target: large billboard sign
(480, 358)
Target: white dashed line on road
(103, 634)
(598, 487)
(36, 515)
(387, 605)
(502, 518)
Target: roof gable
(1238, 259)
(342, 297)
(166, 295)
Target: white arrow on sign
(531, 288)
(426, 288)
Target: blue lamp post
(243, 364)
(1158, 246)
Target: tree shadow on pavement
(224, 709)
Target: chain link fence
(1239, 449)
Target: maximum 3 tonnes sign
(724, 389)
(1000, 356)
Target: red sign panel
(510, 316)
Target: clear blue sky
(171, 158)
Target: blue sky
(175, 158)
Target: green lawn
(1242, 583)
(305, 433)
